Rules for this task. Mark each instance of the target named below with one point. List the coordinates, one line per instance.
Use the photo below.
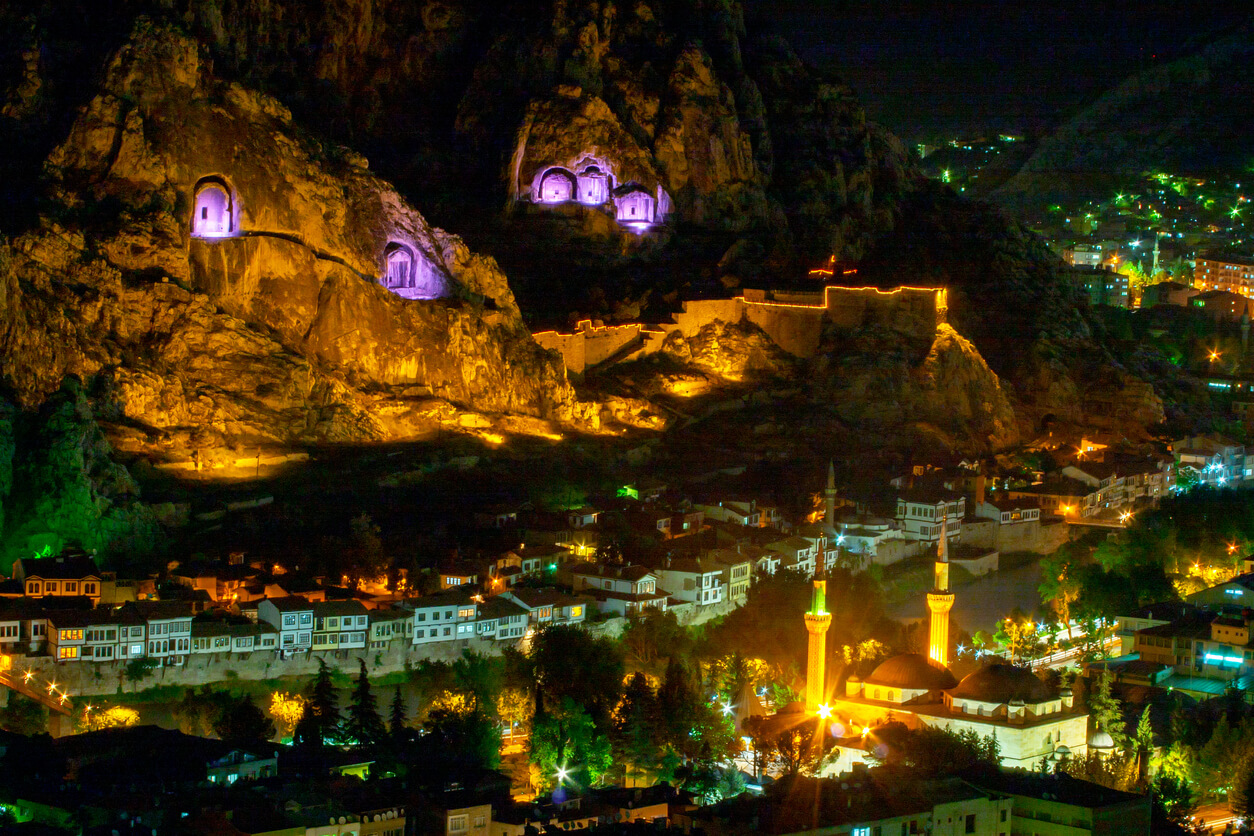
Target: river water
(980, 604)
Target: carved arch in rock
(409, 274)
(215, 210)
(557, 185)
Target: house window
(576, 612)
(466, 613)
(71, 587)
(418, 634)
(457, 824)
(32, 588)
(89, 588)
(50, 586)
(479, 821)
(71, 635)
(970, 823)
(67, 653)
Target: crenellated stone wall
(794, 320)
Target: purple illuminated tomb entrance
(409, 275)
(557, 186)
(635, 206)
(213, 215)
(593, 185)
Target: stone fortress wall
(794, 320)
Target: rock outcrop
(278, 333)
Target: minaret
(818, 619)
(940, 601)
(829, 496)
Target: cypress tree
(322, 712)
(396, 722)
(363, 725)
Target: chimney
(980, 482)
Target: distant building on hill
(1233, 273)
(1100, 286)
(1167, 293)
(1223, 305)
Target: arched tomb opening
(409, 275)
(214, 210)
(557, 186)
(593, 185)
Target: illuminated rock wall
(278, 331)
(795, 321)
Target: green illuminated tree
(1107, 711)
(565, 741)
(363, 724)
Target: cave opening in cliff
(410, 275)
(214, 212)
(400, 267)
(557, 186)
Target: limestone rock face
(945, 389)
(731, 351)
(573, 128)
(706, 156)
(279, 332)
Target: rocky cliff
(283, 333)
(277, 333)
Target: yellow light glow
(825, 711)
(866, 730)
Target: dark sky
(925, 65)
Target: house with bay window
(445, 617)
(71, 573)
(340, 625)
(293, 617)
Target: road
(980, 604)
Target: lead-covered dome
(911, 671)
(1002, 684)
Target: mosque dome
(1101, 741)
(911, 671)
(1002, 684)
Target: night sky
(924, 66)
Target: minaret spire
(818, 619)
(940, 601)
(829, 496)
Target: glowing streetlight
(1214, 355)
(1232, 548)
(727, 708)
(866, 730)
(824, 711)
(28, 676)
(562, 774)
(1125, 517)
(1135, 244)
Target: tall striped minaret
(818, 619)
(940, 601)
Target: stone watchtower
(940, 601)
(818, 620)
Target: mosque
(1030, 720)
